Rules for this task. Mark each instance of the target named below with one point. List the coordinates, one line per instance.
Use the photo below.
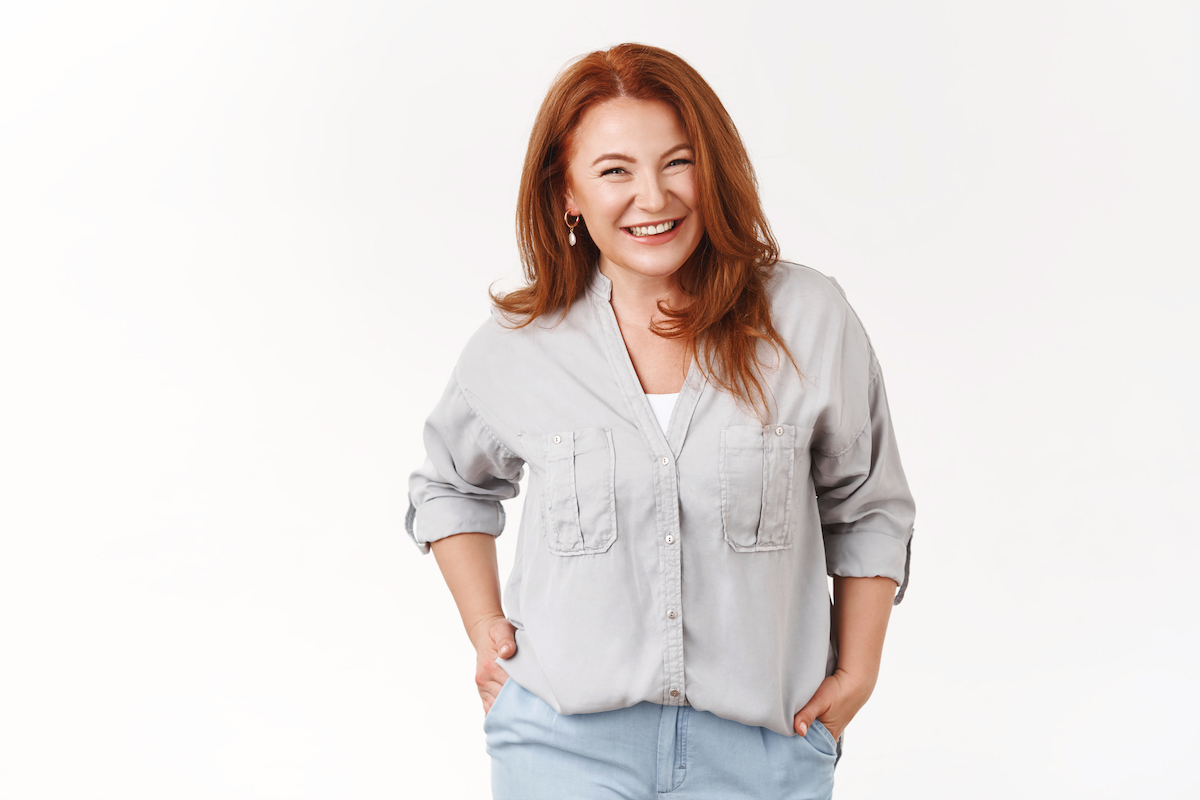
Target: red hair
(728, 313)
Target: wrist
(857, 683)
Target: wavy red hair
(728, 315)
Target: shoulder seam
(475, 411)
(875, 372)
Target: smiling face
(632, 178)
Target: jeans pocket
(822, 740)
(580, 491)
(490, 717)
(758, 467)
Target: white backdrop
(242, 243)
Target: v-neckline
(659, 442)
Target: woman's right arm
(467, 474)
(468, 564)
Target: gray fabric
(679, 567)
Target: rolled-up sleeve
(866, 508)
(467, 472)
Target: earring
(570, 227)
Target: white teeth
(649, 230)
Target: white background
(243, 243)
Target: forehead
(624, 124)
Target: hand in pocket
(493, 637)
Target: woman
(708, 437)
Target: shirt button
(666, 461)
(674, 693)
(557, 439)
(670, 539)
(671, 613)
(779, 431)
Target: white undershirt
(662, 404)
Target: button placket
(673, 629)
(666, 488)
(671, 570)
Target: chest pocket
(758, 479)
(580, 506)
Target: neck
(636, 296)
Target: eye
(679, 161)
(613, 171)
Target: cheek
(685, 190)
(692, 201)
(605, 206)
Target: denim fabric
(647, 751)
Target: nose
(651, 196)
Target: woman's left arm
(861, 608)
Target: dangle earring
(570, 227)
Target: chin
(657, 269)
(661, 265)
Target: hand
(836, 701)
(492, 636)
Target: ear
(569, 197)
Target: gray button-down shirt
(685, 567)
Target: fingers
(819, 704)
(489, 673)
(833, 704)
(805, 716)
(488, 692)
(489, 678)
(488, 697)
(504, 637)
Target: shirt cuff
(865, 554)
(440, 517)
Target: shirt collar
(601, 286)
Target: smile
(652, 230)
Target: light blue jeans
(648, 751)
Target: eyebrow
(632, 160)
